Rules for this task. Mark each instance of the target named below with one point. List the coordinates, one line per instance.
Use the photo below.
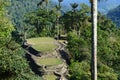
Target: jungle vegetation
(45, 21)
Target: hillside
(19, 8)
(46, 44)
(114, 15)
(106, 6)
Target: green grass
(43, 44)
(49, 61)
(49, 77)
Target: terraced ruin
(51, 64)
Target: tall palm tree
(58, 12)
(74, 6)
(41, 3)
(46, 2)
(60, 3)
(94, 39)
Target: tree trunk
(94, 39)
(47, 2)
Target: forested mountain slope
(106, 5)
(13, 65)
(74, 26)
(114, 15)
(19, 8)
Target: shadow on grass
(32, 50)
(34, 67)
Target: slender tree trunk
(47, 7)
(58, 21)
(59, 5)
(94, 39)
(47, 2)
(57, 26)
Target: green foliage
(13, 65)
(108, 49)
(78, 47)
(106, 73)
(5, 27)
(17, 10)
(80, 71)
(16, 36)
(11, 59)
(43, 21)
(76, 20)
(74, 5)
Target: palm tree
(58, 16)
(74, 6)
(47, 1)
(94, 39)
(41, 3)
(60, 3)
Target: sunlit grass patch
(49, 61)
(49, 77)
(43, 44)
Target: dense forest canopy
(19, 8)
(13, 65)
(24, 19)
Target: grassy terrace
(43, 44)
(50, 77)
(49, 61)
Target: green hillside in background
(114, 15)
(42, 40)
(18, 9)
